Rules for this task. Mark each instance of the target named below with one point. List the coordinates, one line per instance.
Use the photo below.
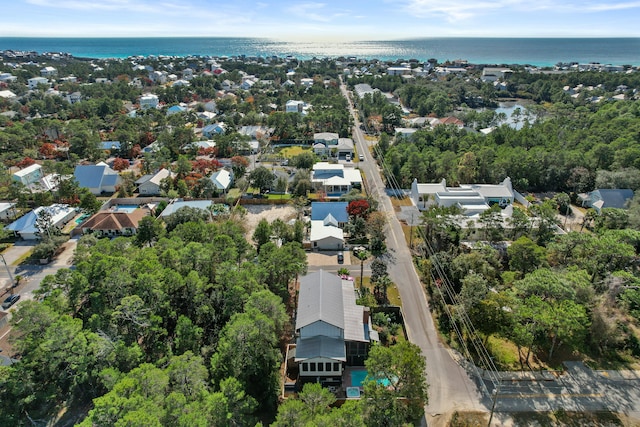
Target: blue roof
(89, 176)
(320, 210)
(110, 145)
(612, 198)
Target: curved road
(450, 387)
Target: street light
(8, 272)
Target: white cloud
(318, 12)
(457, 10)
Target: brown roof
(115, 220)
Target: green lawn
(290, 152)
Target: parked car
(340, 257)
(10, 300)
(348, 157)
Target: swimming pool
(81, 219)
(126, 208)
(358, 377)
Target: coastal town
(234, 240)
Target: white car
(361, 157)
(348, 157)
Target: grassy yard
(392, 292)
(279, 196)
(290, 152)
(534, 419)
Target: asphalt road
(450, 386)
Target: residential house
(7, 94)
(211, 106)
(247, 84)
(334, 179)
(149, 101)
(175, 109)
(29, 175)
(338, 210)
(213, 129)
(472, 199)
(175, 205)
(326, 138)
(99, 178)
(35, 81)
(7, 78)
(7, 211)
(363, 89)
(111, 146)
(492, 74)
(399, 71)
(27, 227)
(344, 147)
(332, 331)
(294, 106)
(222, 179)
(114, 223)
(608, 198)
(149, 185)
(48, 72)
(325, 235)
(73, 98)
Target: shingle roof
(114, 220)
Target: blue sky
(330, 20)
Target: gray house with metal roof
(98, 178)
(332, 330)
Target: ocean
(540, 52)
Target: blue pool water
(126, 208)
(358, 377)
(81, 219)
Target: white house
(35, 81)
(334, 179)
(149, 185)
(222, 179)
(7, 94)
(149, 101)
(7, 210)
(332, 331)
(473, 199)
(29, 175)
(48, 72)
(294, 106)
(492, 74)
(326, 235)
(27, 228)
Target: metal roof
(320, 210)
(320, 298)
(320, 346)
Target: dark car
(10, 300)
(340, 257)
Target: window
(336, 367)
(305, 367)
(312, 366)
(327, 367)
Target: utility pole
(411, 232)
(8, 272)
